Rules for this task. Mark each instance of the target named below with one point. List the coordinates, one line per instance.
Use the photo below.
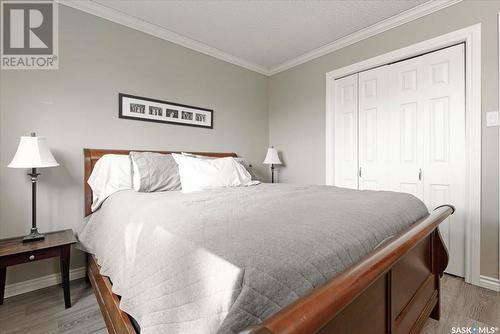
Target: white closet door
(374, 117)
(411, 134)
(444, 145)
(427, 104)
(407, 87)
(346, 132)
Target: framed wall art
(151, 110)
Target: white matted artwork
(151, 110)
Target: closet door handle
(360, 171)
(420, 174)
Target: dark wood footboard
(117, 321)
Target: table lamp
(33, 153)
(272, 159)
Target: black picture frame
(182, 115)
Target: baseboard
(54, 279)
(490, 283)
(42, 282)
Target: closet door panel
(374, 148)
(444, 157)
(406, 127)
(346, 132)
(427, 105)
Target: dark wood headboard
(91, 156)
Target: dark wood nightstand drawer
(30, 256)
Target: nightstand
(13, 251)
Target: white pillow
(248, 167)
(111, 173)
(242, 161)
(199, 174)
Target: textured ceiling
(267, 33)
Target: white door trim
(498, 45)
(472, 38)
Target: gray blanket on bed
(219, 261)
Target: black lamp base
(33, 236)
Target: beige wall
(77, 106)
(297, 106)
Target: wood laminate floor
(465, 305)
(43, 311)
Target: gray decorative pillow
(154, 172)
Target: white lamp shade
(33, 152)
(272, 157)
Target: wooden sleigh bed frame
(394, 289)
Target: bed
(312, 259)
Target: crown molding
(409, 15)
(91, 7)
(119, 17)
